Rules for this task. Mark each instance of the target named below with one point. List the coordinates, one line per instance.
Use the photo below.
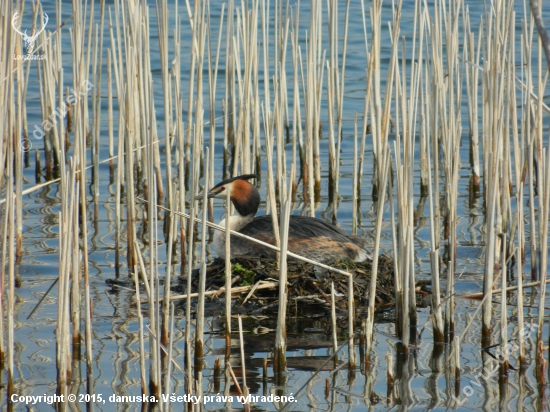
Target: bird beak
(212, 193)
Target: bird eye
(222, 188)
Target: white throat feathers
(236, 223)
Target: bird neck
(237, 221)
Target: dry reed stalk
(456, 363)
(96, 104)
(520, 245)
(339, 85)
(80, 70)
(334, 98)
(180, 131)
(265, 19)
(333, 319)
(435, 72)
(543, 190)
(118, 193)
(47, 73)
(269, 120)
(214, 293)
(141, 335)
(488, 276)
(234, 378)
(536, 9)
(508, 289)
(285, 83)
(3, 294)
(76, 278)
(370, 58)
(452, 129)
(121, 133)
(18, 161)
(333, 195)
(72, 268)
(199, 333)
(438, 334)
(317, 86)
(37, 166)
(355, 184)
(190, 263)
(280, 132)
(519, 167)
(504, 363)
(279, 357)
(147, 106)
(449, 327)
(312, 87)
(110, 116)
(404, 157)
(228, 280)
(132, 136)
(65, 239)
(297, 132)
(47, 144)
(248, 93)
(496, 118)
(6, 95)
(282, 29)
(194, 50)
(230, 112)
(351, 324)
(373, 91)
(156, 332)
(243, 367)
(10, 349)
(170, 358)
(212, 83)
(420, 25)
(237, 97)
(382, 117)
(152, 273)
(217, 374)
(528, 133)
(372, 286)
(166, 323)
(544, 205)
(143, 272)
(163, 29)
(406, 275)
(24, 142)
(411, 110)
(199, 30)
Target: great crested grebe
(307, 236)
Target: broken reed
(427, 96)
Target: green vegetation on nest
(247, 275)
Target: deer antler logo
(29, 40)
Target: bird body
(307, 236)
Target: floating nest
(308, 284)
